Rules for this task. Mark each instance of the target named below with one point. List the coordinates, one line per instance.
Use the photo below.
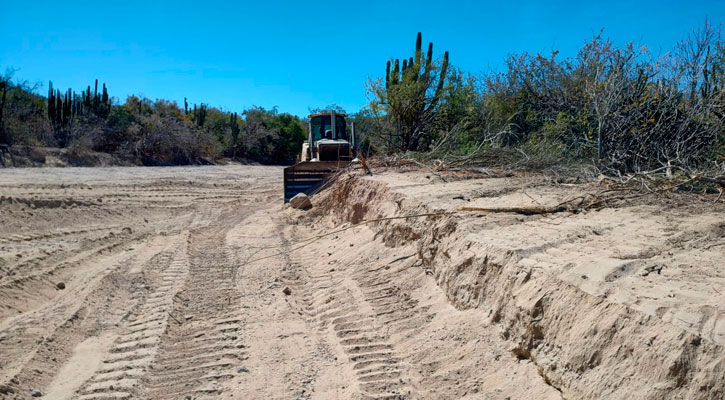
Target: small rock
(242, 370)
(5, 389)
(35, 393)
(127, 230)
(60, 285)
(287, 291)
(300, 202)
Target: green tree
(272, 138)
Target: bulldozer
(326, 151)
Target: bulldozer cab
(322, 128)
(326, 150)
(327, 139)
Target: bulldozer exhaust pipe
(352, 139)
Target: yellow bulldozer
(326, 150)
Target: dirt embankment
(617, 303)
(22, 156)
(40, 156)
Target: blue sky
(301, 55)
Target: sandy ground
(190, 283)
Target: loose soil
(195, 282)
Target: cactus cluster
(199, 114)
(414, 68)
(63, 108)
(412, 92)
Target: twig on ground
(174, 318)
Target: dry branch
(517, 210)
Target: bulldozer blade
(307, 177)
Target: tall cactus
(387, 75)
(51, 103)
(4, 90)
(418, 44)
(104, 97)
(200, 116)
(96, 99)
(413, 113)
(235, 133)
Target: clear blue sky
(297, 55)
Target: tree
(272, 138)
(331, 107)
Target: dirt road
(191, 283)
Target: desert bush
(619, 108)
(22, 113)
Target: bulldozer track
(202, 346)
(358, 322)
(136, 347)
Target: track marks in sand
(201, 347)
(358, 311)
(136, 346)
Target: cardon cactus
(407, 92)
